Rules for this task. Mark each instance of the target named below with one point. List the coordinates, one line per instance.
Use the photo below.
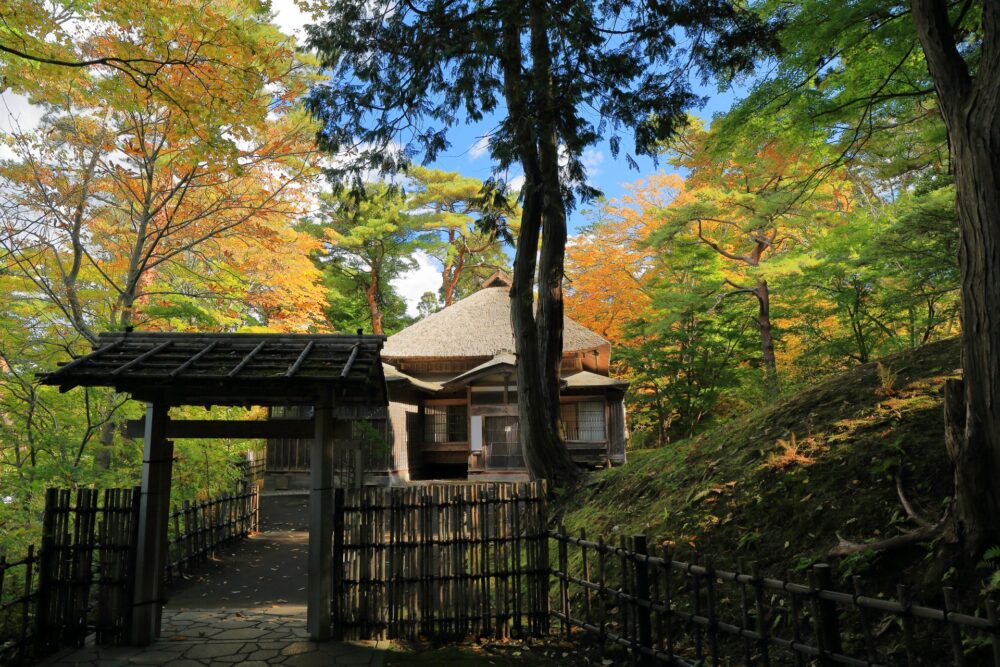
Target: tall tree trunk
(971, 109)
(555, 458)
(544, 452)
(768, 361)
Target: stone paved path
(222, 638)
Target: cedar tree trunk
(970, 104)
(545, 453)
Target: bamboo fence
(442, 560)
(665, 611)
(79, 581)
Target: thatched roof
(393, 374)
(477, 326)
(588, 380)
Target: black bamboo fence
(660, 610)
(441, 560)
(78, 582)
(18, 594)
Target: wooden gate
(441, 560)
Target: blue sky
(469, 156)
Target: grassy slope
(737, 491)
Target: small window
(446, 423)
(584, 421)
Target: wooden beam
(225, 428)
(154, 511)
(89, 357)
(201, 353)
(141, 358)
(494, 410)
(350, 361)
(246, 360)
(294, 368)
(321, 523)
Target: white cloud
(591, 158)
(516, 183)
(17, 114)
(426, 277)
(289, 17)
(479, 148)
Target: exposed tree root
(926, 532)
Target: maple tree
(609, 266)
(676, 343)
(202, 59)
(162, 210)
(747, 204)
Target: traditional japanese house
(452, 411)
(453, 393)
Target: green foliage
(686, 354)
(403, 75)
(367, 244)
(463, 228)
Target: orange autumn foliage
(607, 266)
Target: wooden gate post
(154, 514)
(826, 612)
(321, 522)
(338, 564)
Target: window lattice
(446, 423)
(584, 422)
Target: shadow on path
(262, 571)
(213, 638)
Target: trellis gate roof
(230, 369)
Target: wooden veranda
(168, 370)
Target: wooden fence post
(29, 566)
(564, 578)
(46, 557)
(763, 644)
(909, 640)
(337, 608)
(827, 609)
(643, 598)
(128, 600)
(954, 633)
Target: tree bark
(970, 106)
(554, 458)
(373, 307)
(767, 357)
